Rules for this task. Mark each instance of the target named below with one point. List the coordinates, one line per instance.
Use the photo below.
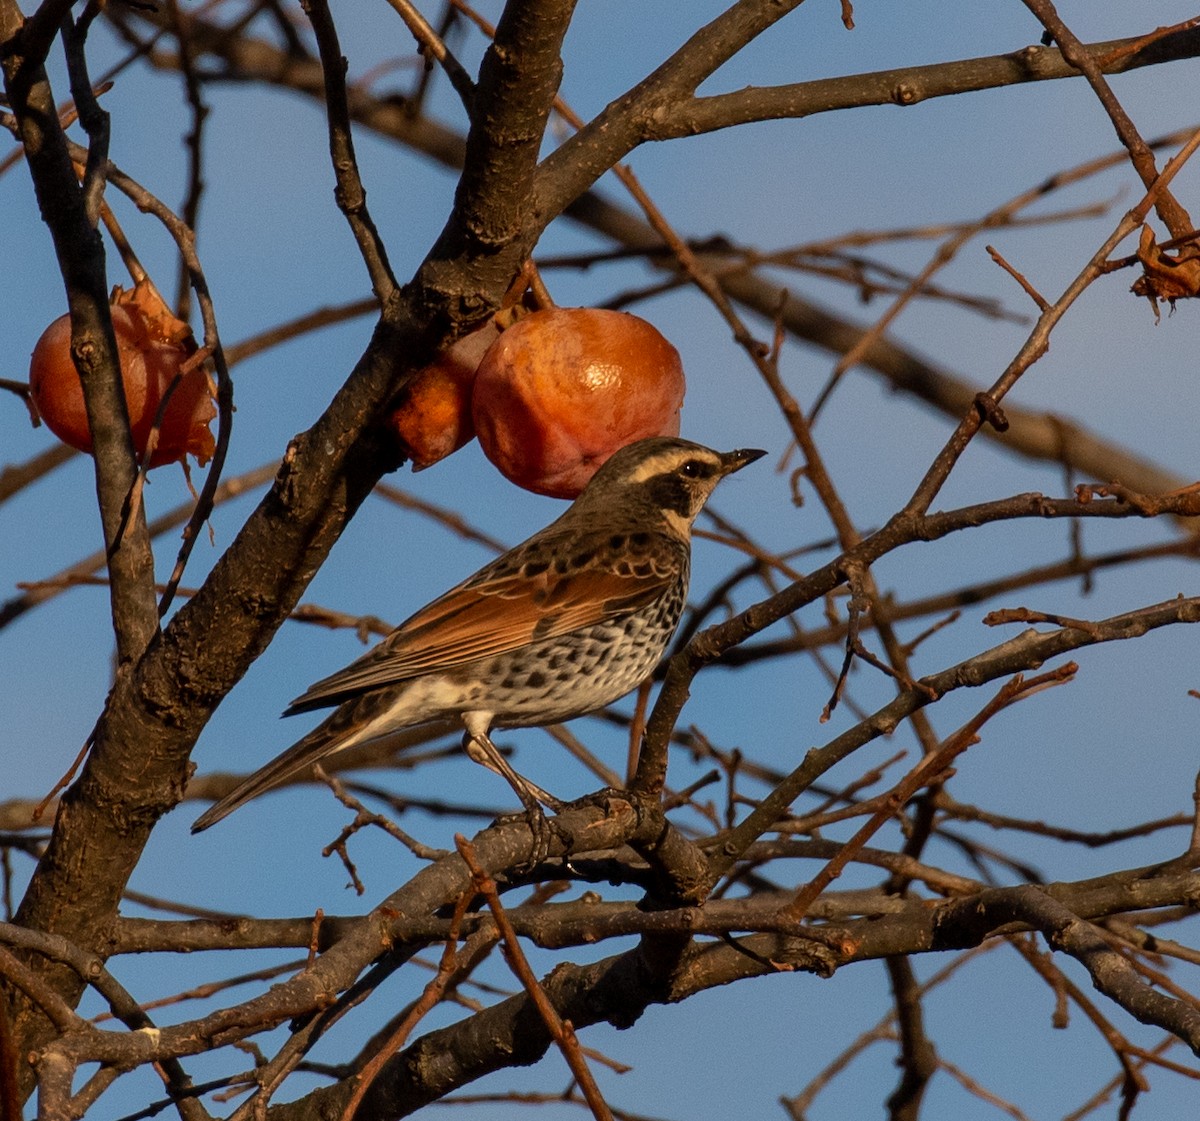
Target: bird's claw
(544, 831)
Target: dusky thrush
(561, 625)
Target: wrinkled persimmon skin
(149, 363)
(433, 416)
(564, 388)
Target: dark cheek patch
(670, 493)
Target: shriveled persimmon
(433, 415)
(562, 389)
(153, 347)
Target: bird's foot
(543, 829)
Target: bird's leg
(479, 747)
(477, 743)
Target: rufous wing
(483, 617)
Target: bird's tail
(303, 753)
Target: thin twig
(560, 1030)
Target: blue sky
(274, 246)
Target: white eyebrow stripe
(664, 462)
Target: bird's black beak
(736, 460)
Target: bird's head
(666, 474)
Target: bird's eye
(693, 469)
